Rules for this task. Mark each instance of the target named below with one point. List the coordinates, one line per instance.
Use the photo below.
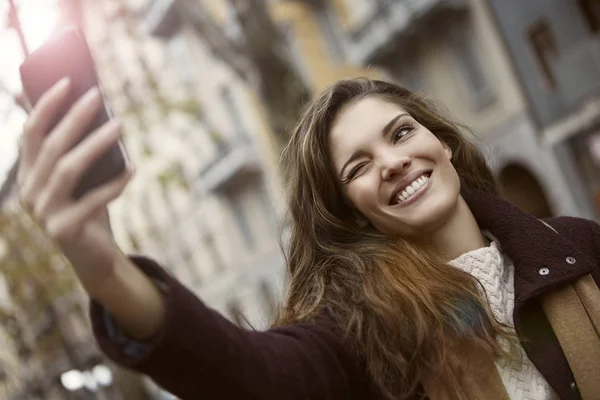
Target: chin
(425, 219)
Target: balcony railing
(233, 165)
(393, 19)
(162, 17)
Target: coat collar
(531, 245)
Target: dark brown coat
(198, 354)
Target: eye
(401, 132)
(353, 173)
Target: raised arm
(189, 349)
(197, 353)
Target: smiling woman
(408, 275)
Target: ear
(447, 150)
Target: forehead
(358, 124)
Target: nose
(393, 166)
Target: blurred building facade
(203, 201)
(452, 51)
(555, 46)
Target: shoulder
(584, 232)
(574, 224)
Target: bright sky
(38, 18)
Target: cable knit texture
(495, 271)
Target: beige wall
(444, 81)
(320, 69)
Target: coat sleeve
(198, 353)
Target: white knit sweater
(495, 271)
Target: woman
(408, 275)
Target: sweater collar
(539, 254)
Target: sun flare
(38, 20)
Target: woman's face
(396, 173)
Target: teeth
(412, 188)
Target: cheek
(362, 196)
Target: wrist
(98, 278)
(132, 298)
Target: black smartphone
(67, 54)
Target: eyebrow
(385, 131)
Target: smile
(412, 190)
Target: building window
(295, 54)
(330, 35)
(268, 299)
(231, 25)
(187, 256)
(407, 74)
(180, 51)
(3, 373)
(235, 312)
(15, 331)
(232, 111)
(268, 206)
(241, 218)
(591, 13)
(543, 43)
(472, 73)
(134, 242)
(586, 150)
(208, 239)
(361, 11)
(45, 324)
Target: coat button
(573, 386)
(571, 260)
(544, 271)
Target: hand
(52, 164)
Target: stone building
(555, 50)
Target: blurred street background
(207, 91)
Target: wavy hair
(405, 313)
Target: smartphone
(67, 54)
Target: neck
(457, 235)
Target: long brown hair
(402, 311)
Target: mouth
(404, 193)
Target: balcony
(394, 20)
(162, 17)
(235, 164)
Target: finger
(71, 167)
(37, 124)
(64, 137)
(67, 225)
